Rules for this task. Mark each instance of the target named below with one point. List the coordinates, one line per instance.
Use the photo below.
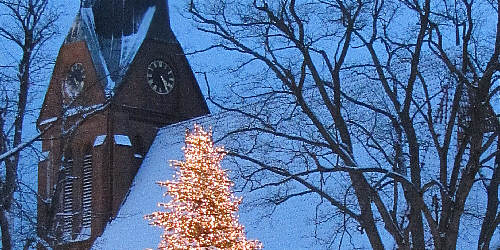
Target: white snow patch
(45, 155)
(132, 43)
(93, 42)
(81, 109)
(123, 140)
(110, 86)
(129, 47)
(71, 90)
(84, 234)
(99, 140)
(65, 214)
(47, 121)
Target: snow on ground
(289, 226)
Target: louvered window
(48, 181)
(87, 191)
(68, 199)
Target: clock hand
(165, 83)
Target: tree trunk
(361, 188)
(6, 237)
(12, 164)
(489, 224)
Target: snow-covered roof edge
(84, 25)
(131, 44)
(94, 47)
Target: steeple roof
(115, 29)
(115, 18)
(76, 32)
(86, 3)
(160, 26)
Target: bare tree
(385, 110)
(27, 26)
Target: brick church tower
(120, 75)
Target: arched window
(87, 189)
(68, 195)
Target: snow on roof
(123, 140)
(99, 140)
(45, 155)
(87, 16)
(132, 43)
(85, 234)
(111, 71)
(52, 119)
(288, 226)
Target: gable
(56, 97)
(185, 99)
(114, 54)
(115, 35)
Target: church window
(87, 190)
(68, 197)
(48, 173)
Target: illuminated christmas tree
(203, 211)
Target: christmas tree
(202, 213)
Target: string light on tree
(202, 213)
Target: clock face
(160, 77)
(73, 84)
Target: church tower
(119, 76)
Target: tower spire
(160, 25)
(86, 3)
(76, 33)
